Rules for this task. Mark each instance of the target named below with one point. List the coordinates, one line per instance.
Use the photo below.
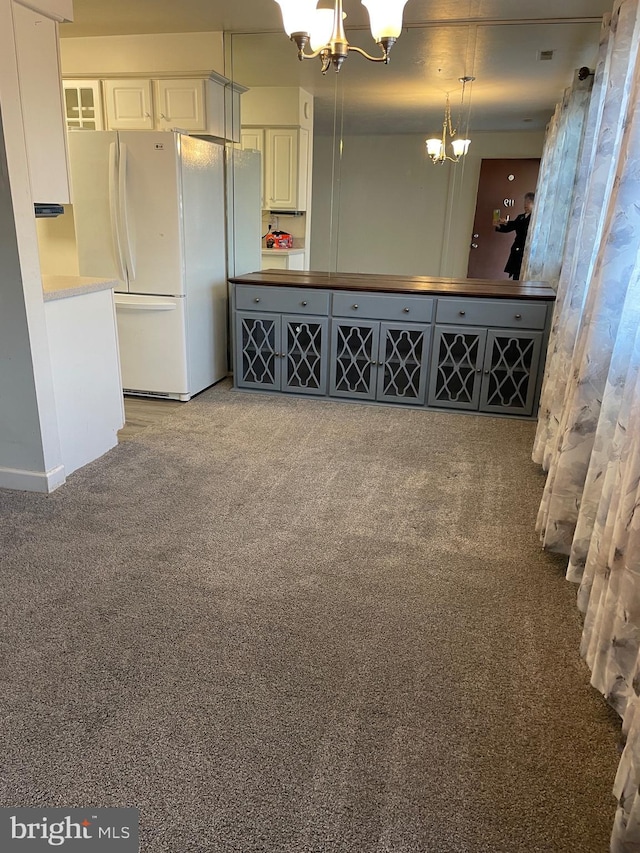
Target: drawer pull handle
(305, 302)
(462, 313)
(406, 310)
(257, 299)
(518, 316)
(355, 307)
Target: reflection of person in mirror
(521, 226)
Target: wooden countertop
(65, 286)
(468, 287)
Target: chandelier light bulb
(297, 15)
(460, 147)
(385, 17)
(434, 148)
(321, 28)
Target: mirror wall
(378, 204)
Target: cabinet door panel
(305, 354)
(257, 349)
(281, 168)
(128, 104)
(41, 102)
(354, 352)
(403, 358)
(83, 105)
(253, 140)
(510, 372)
(180, 105)
(456, 367)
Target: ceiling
(497, 41)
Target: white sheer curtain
(543, 255)
(588, 436)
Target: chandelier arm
(383, 58)
(302, 40)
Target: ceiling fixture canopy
(437, 147)
(322, 30)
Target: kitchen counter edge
(66, 286)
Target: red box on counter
(279, 240)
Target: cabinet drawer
(383, 307)
(283, 300)
(492, 312)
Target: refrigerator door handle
(113, 211)
(124, 216)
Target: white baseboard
(32, 481)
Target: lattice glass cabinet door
(82, 104)
(305, 354)
(354, 361)
(456, 372)
(510, 372)
(403, 360)
(258, 358)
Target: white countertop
(65, 286)
(294, 251)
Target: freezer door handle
(124, 212)
(146, 306)
(113, 210)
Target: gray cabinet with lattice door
(383, 357)
(379, 361)
(486, 369)
(422, 346)
(277, 349)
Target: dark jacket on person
(520, 225)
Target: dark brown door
(501, 187)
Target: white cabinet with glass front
(83, 104)
(206, 104)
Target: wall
(57, 244)
(383, 207)
(30, 455)
(142, 53)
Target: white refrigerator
(149, 210)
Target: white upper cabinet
(286, 168)
(83, 104)
(180, 104)
(278, 121)
(192, 104)
(36, 38)
(128, 104)
(252, 139)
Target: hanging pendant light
(324, 33)
(437, 146)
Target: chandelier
(322, 30)
(437, 147)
